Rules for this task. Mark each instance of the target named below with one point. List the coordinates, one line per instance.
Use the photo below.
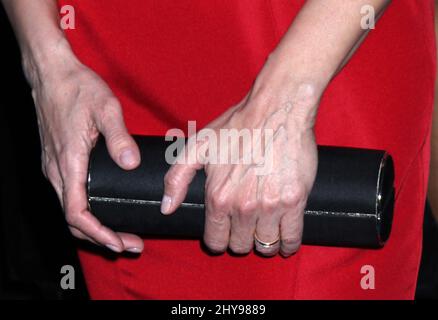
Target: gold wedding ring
(266, 245)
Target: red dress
(173, 61)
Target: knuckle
(71, 218)
(218, 201)
(291, 244)
(294, 196)
(109, 112)
(247, 207)
(240, 248)
(270, 203)
(216, 245)
(110, 108)
(217, 218)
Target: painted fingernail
(165, 204)
(113, 248)
(127, 157)
(134, 250)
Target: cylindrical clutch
(351, 203)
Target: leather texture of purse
(351, 203)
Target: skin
(74, 105)
(433, 178)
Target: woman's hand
(73, 106)
(245, 199)
(241, 205)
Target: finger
(243, 224)
(52, 173)
(243, 227)
(178, 178)
(131, 242)
(74, 172)
(291, 230)
(85, 222)
(121, 146)
(268, 231)
(80, 235)
(217, 224)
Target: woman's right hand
(73, 106)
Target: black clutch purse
(351, 203)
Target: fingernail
(113, 248)
(134, 250)
(127, 158)
(165, 204)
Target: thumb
(177, 180)
(121, 146)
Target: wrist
(47, 59)
(278, 87)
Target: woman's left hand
(255, 200)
